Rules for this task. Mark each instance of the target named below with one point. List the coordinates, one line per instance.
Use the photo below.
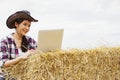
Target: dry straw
(93, 64)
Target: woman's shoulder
(30, 39)
(6, 38)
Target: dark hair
(25, 43)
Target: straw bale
(92, 64)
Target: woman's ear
(16, 24)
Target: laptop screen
(50, 40)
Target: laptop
(50, 40)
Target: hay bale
(93, 64)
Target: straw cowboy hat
(19, 14)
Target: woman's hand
(27, 54)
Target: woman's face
(23, 27)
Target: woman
(17, 46)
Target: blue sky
(86, 23)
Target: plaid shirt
(9, 50)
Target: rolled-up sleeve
(3, 51)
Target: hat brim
(11, 19)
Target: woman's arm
(18, 59)
(12, 62)
(5, 54)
